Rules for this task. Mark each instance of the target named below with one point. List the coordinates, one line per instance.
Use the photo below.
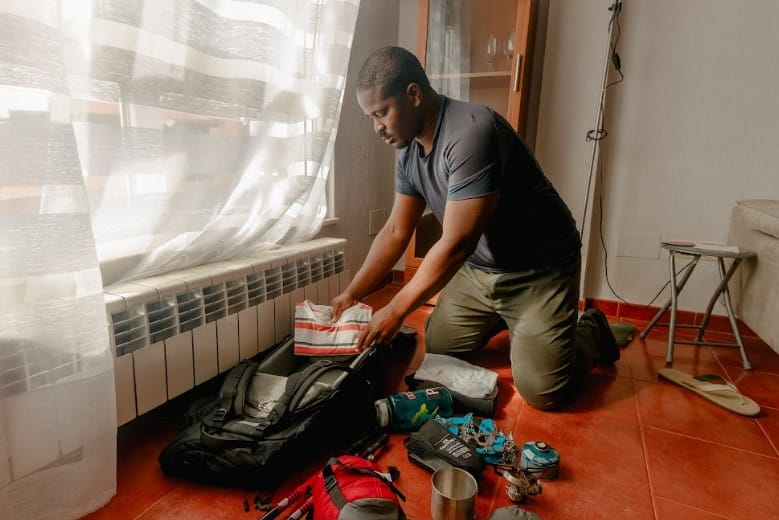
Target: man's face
(394, 118)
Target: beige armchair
(754, 225)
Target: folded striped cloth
(317, 335)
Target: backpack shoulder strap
(231, 394)
(298, 385)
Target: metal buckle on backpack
(263, 423)
(219, 415)
(330, 483)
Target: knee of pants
(545, 403)
(543, 393)
(543, 364)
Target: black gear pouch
(434, 447)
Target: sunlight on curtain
(137, 137)
(205, 127)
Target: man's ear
(414, 94)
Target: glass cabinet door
(477, 50)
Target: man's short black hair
(391, 69)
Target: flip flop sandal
(714, 388)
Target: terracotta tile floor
(632, 447)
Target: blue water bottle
(409, 410)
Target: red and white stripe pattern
(317, 335)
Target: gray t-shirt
(475, 153)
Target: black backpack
(265, 424)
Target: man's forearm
(382, 256)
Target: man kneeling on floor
(509, 251)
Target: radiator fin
(255, 288)
(190, 310)
(289, 278)
(130, 330)
(273, 283)
(215, 302)
(315, 268)
(303, 272)
(161, 316)
(236, 295)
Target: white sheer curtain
(205, 127)
(138, 137)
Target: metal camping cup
(454, 494)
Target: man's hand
(340, 303)
(383, 327)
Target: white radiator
(172, 332)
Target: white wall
(693, 127)
(364, 165)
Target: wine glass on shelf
(508, 46)
(491, 50)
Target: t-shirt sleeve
(473, 161)
(403, 183)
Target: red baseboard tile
(608, 307)
(721, 323)
(637, 312)
(717, 322)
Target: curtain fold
(57, 405)
(138, 137)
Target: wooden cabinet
(477, 50)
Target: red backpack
(352, 488)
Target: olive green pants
(550, 355)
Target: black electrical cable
(603, 243)
(598, 134)
(616, 61)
